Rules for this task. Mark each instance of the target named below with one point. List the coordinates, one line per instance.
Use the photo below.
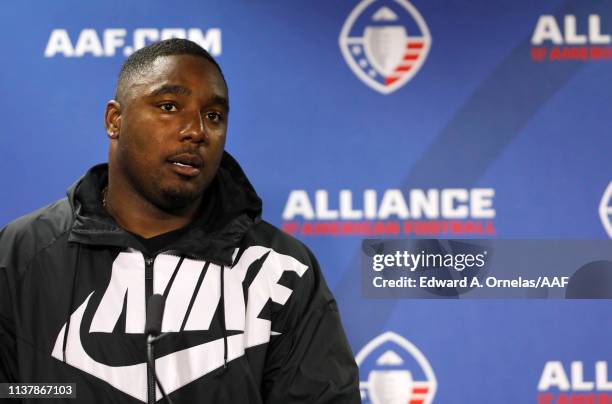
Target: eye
(214, 117)
(168, 107)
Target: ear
(112, 119)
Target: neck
(137, 215)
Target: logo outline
(410, 348)
(605, 210)
(345, 42)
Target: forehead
(193, 72)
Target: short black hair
(144, 57)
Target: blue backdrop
(509, 99)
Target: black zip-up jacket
(249, 316)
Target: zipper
(149, 263)
(149, 260)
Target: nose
(194, 129)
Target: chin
(176, 199)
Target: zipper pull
(149, 267)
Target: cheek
(216, 150)
(133, 152)
(141, 143)
(220, 146)
(218, 139)
(221, 142)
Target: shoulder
(295, 268)
(24, 237)
(264, 234)
(267, 235)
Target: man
(249, 317)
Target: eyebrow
(219, 100)
(171, 89)
(181, 90)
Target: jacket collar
(230, 208)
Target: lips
(186, 164)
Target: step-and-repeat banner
(370, 119)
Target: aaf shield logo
(395, 372)
(385, 43)
(605, 209)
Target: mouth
(186, 164)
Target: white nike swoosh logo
(174, 370)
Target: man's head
(167, 124)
